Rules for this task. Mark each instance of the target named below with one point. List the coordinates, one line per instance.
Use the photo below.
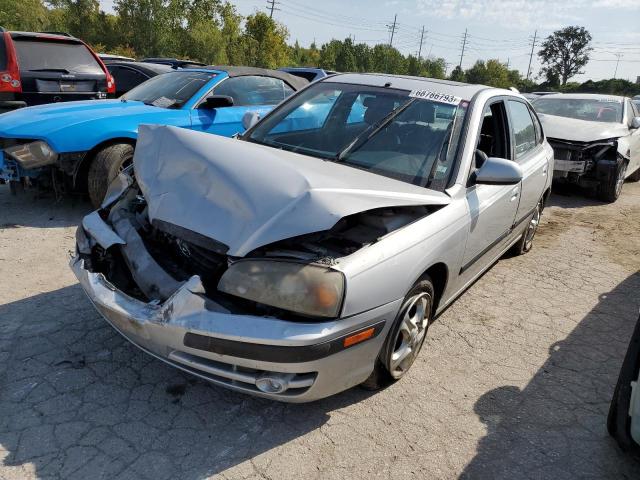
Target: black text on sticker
(435, 96)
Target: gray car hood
(247, 195)
(575, 130)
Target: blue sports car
(82, 146)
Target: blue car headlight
(311, 290)
(32, 155)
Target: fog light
(272, 383)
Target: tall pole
(271, 6)
(464, 44)
(533, 46)
(618, 55)
(393, 29)
(421, 40)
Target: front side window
(169, 90)
(524, 132)
(605, 109)
(380, 130)
(254, 90)
(48, 55)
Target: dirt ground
(514, 381)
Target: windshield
(382, 130)
(607, 110)
(169, 90)
(48, 55)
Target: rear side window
(3, 53)
(523, 129)
(254, 90)
(47, 55)
(126, 78)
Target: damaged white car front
(595, 138)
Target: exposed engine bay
(584, 162)
(159, 257)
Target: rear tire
(525, 244)
(406, 337)
(610, 190)
(105, 166)
(635, 176)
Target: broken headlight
(32, 155)
(306, 289)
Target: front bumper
(195, 334)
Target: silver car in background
(595, 138)
(311, 254)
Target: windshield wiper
(373, 129)
(63, 70)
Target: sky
(495, 29)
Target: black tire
(525, 244)
(635, 176)
(104, 167)
(610, 190)
(383, 373)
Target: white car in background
(595, 138)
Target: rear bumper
(194, 334)
(10, 105)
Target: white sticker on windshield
(435, 97)
(162, 102)
(609, 100)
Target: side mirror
(498, 171)
(217, 101)
(635, 122)
(249, 119)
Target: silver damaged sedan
(311, 254)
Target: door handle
(514, 195)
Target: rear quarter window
(43, 55)
(3, 53)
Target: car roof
(296, 82)
(584, 96)
(406, 82)
(145, 67)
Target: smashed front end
(587, 164)
(256, 313)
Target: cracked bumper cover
(195, 334)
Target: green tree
(29, 15)
(144, 23)
(346, 58)
(265, 42)
(564, 53)
(457, 74)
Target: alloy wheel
(411, 334)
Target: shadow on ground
(556, 426)
(79, 401)
(30, 209)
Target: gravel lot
(514, 381)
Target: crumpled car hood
(247, 195)
(576, 130)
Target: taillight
(10, 77)
(111, 83)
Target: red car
(38, 68)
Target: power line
(618, 55)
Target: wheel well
(439, 274)
(82, 170)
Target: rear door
(530, 154)
(634, 138)
(492, 207)
(250, 93)
(56, 70)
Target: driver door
(249, 93)
(492, 208)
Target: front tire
(105, 166)
(406, 337)
(610, 190)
